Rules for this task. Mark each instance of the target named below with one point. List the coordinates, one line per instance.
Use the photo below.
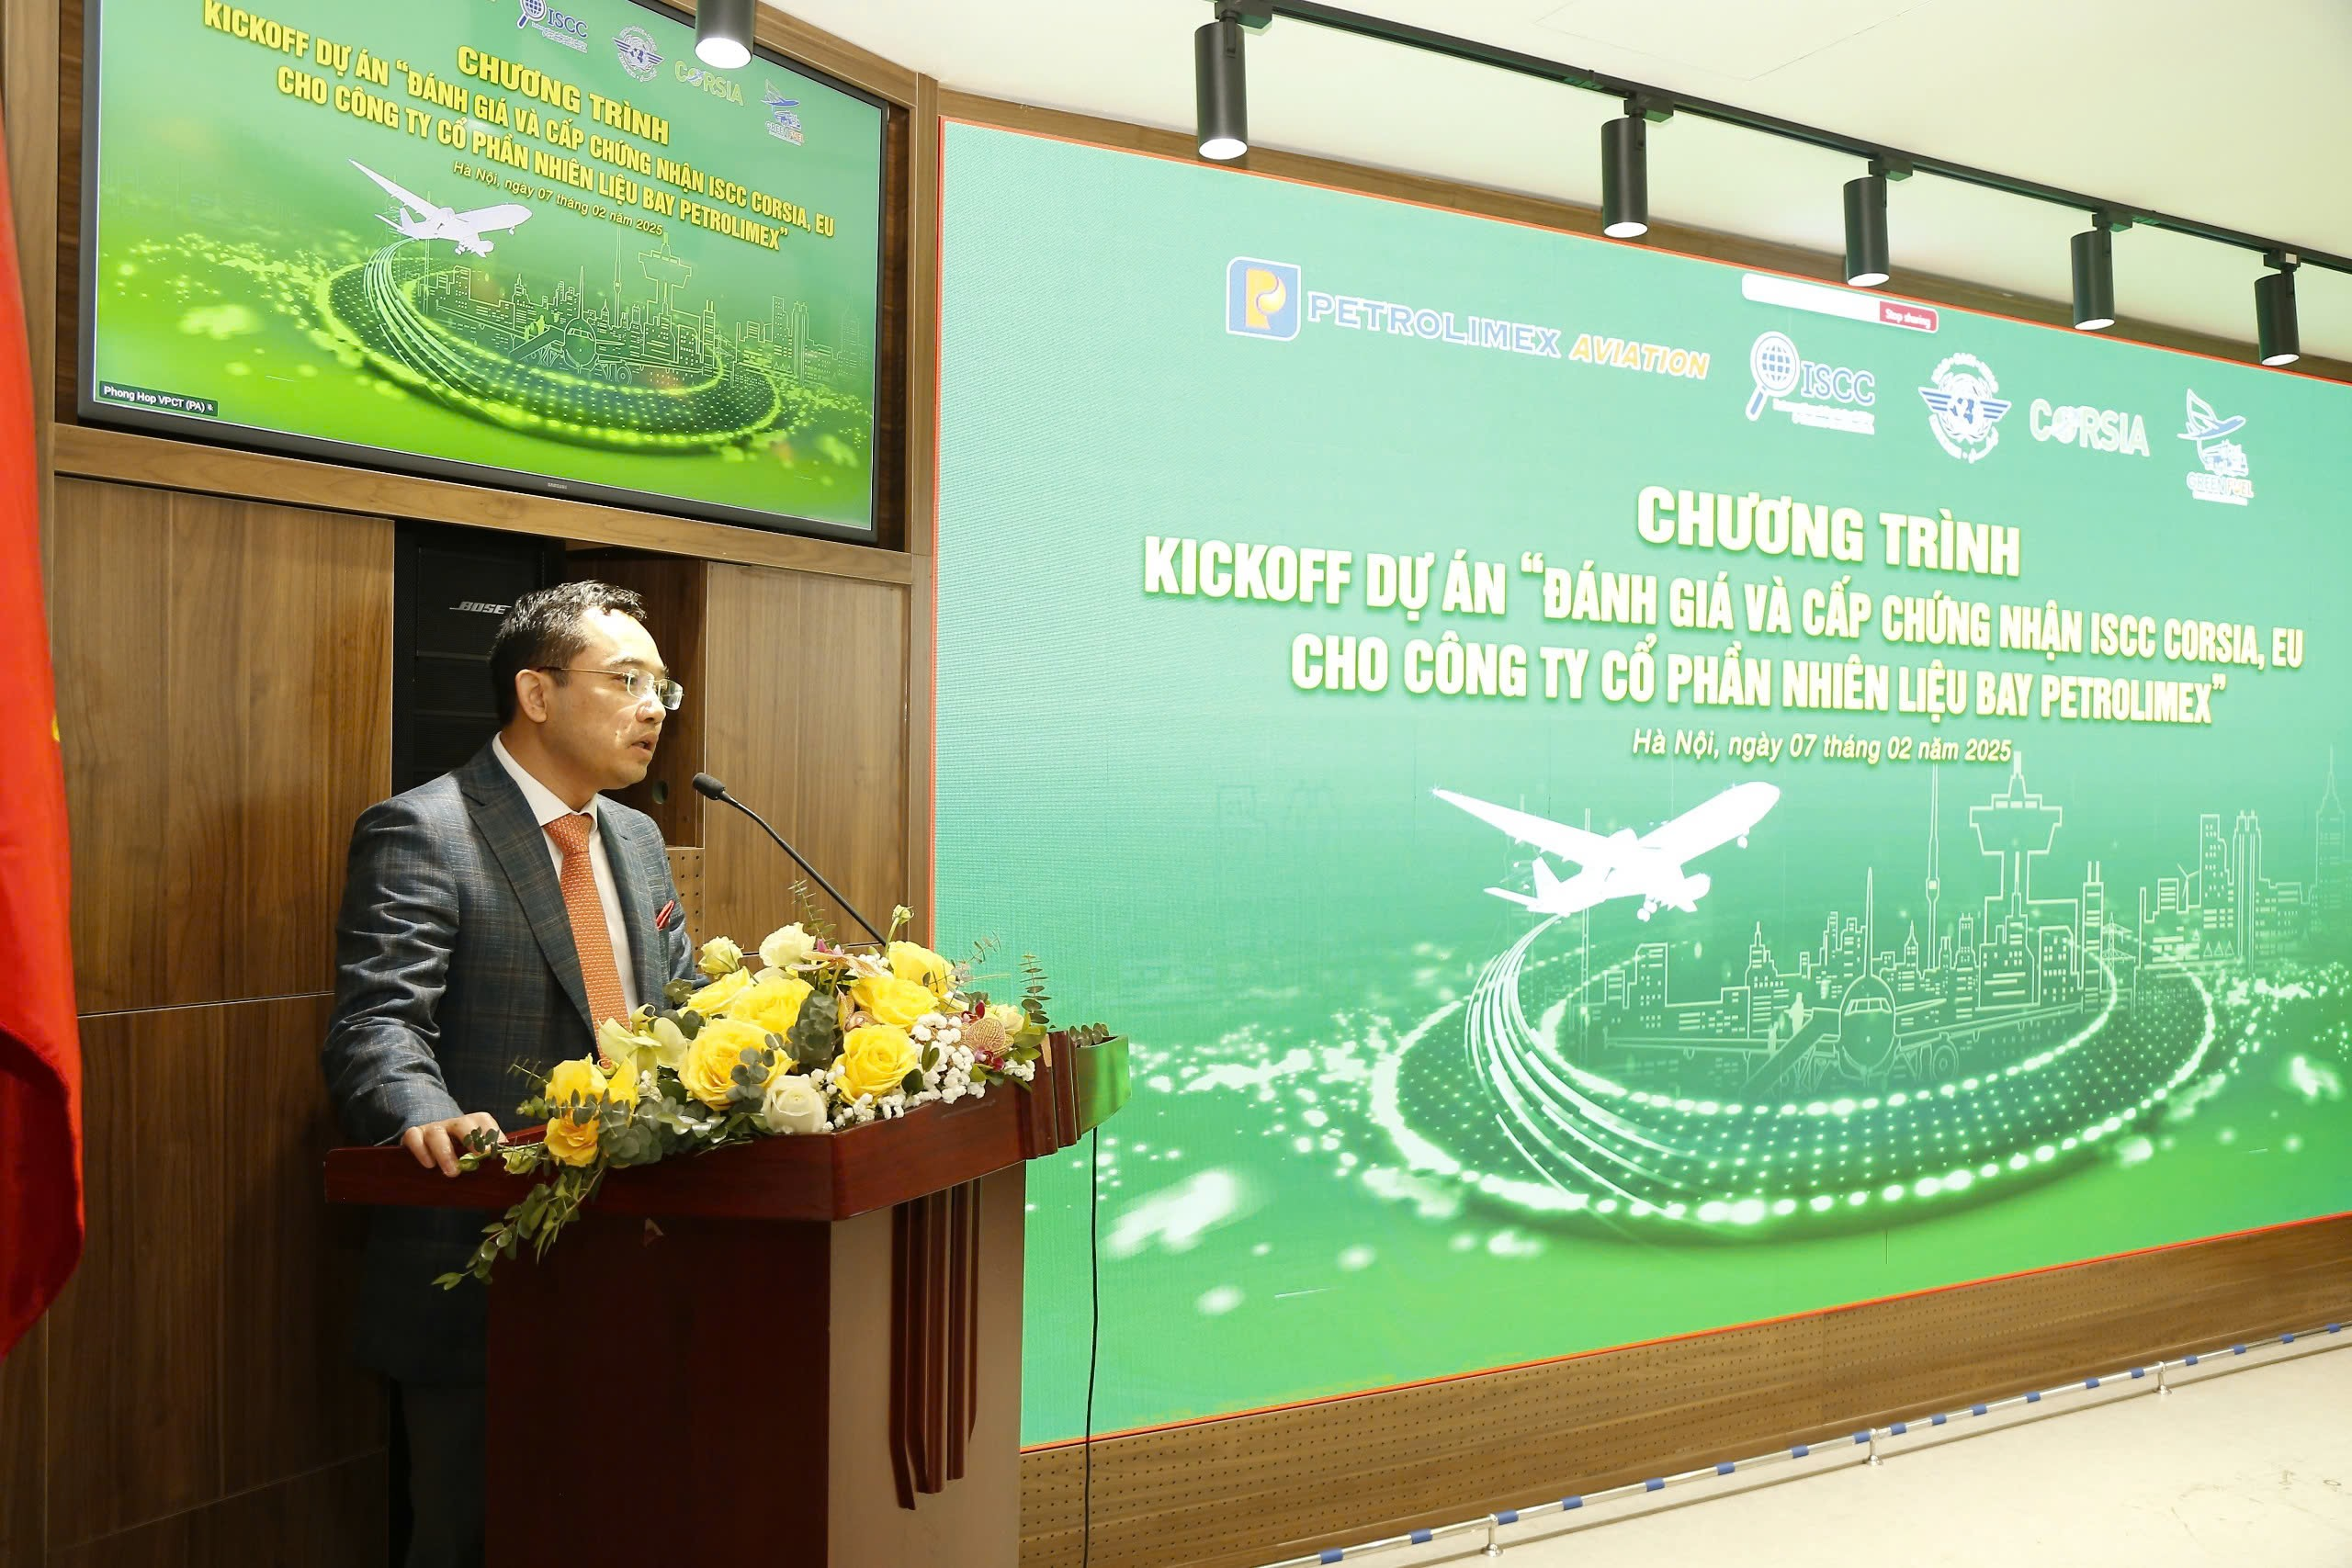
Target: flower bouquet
(812, 1039)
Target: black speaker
(450, 589)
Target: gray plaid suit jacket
(456, 973)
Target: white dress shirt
(546, 808)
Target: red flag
(40, 1053)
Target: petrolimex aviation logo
(1964, 407)
(1265, 299)
(1811, 392)
(2227, 476)
(1261, 298)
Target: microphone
(711, 789)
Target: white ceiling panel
(2237, 116)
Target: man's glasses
(640, 684)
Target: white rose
(792, 1105)
(614, 1040)
(669, 1044)
(719, 956)
(788, 947)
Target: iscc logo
(1811, 392)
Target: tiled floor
(2250, 1467)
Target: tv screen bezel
(89, 410)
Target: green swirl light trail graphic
(1482, 1096)
(619, 406)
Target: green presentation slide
(541, 243)
(1615, 795)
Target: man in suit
(491, 919)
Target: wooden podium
(803, 1351)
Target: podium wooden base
(801, 1351)
(722, 1391)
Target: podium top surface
(817, 1177)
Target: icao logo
(1963, 407)
(637, 55)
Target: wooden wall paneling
(135, 1340)
(1678, 238)
(1252, 1489)
(65, 281)
(685, 869)
(894, 309)
(24, 1449)
(292, 1398)
(92, 452)
(330, 1517)
(807, 723)
(30, 36)
(217, 665)
(923, 479)
(673, 588)
(199, 1352)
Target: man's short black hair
(542, 631)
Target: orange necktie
(590, 938)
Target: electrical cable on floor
(1093, 1339)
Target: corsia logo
(1962, 407)
(710, 82)
(559, 25)
(1823, 396)
(637, 55)
(1261, 298)
(2095, 430)
(2226, 476)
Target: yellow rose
(713, 999)
(921, 966)
(573, 1144)
(1007, 1017)
(710, 1071)
(874, 1059)
(773, 1005)
(888, 999)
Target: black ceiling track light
(1625, 171)
(1223, 135)
(1868, 264)
(1221, 93)
(2280, 340)
(723, 33)
(2093, 255)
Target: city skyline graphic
(2031, 1029)
(642, 373)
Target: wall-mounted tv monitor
(510, 241)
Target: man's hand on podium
(440, 1142)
